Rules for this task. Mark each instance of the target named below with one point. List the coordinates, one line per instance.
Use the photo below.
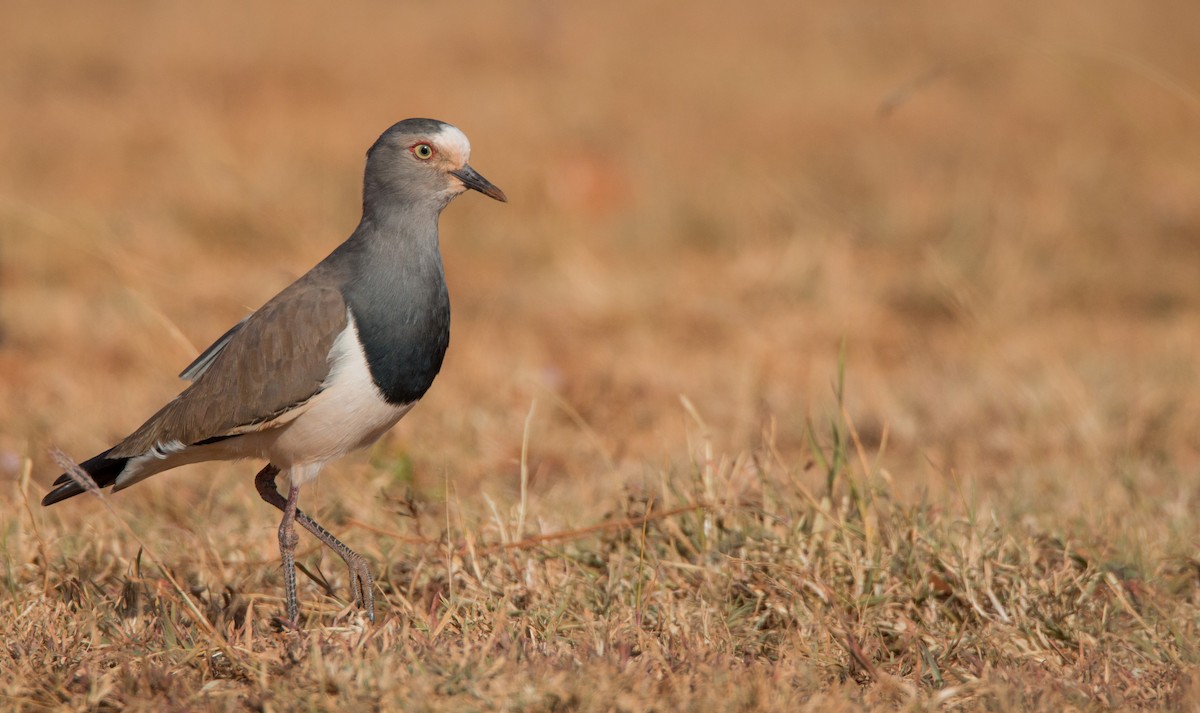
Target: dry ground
(993, 211)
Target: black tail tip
(61, 493)
(103, 470)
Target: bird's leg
(288, 540)
(362, 584)
(265, 483)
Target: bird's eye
(423, 151)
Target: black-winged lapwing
(331, 362)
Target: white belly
(348, 414)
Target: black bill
(471, 179)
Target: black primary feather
(104, 471)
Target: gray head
(422, 161)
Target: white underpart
(453, 142)
(347, 414)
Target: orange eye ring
(423, 151)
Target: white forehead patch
(454, 142)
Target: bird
(330, 363)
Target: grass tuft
(734, 588)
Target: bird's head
(420, 160)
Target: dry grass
(993, 210)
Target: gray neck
(397, 296)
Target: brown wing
(277, 359)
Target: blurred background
(993, 206)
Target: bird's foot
(362, 584)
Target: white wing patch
(165, 449)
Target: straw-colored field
(993, 214)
